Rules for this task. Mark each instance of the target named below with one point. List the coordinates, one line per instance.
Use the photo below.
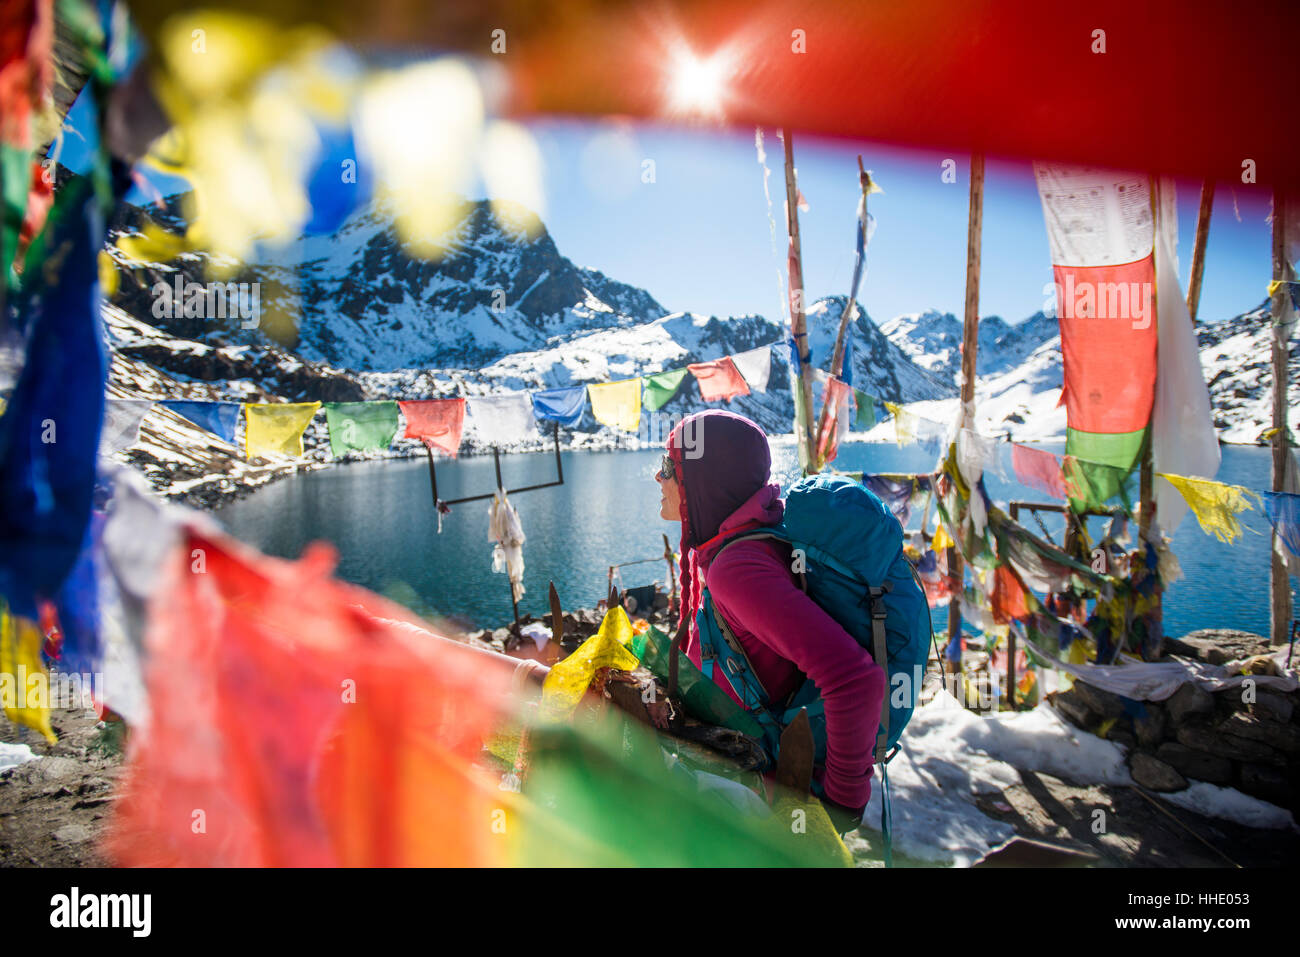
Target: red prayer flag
(839, 396)
(1038, 469)
(1008, 599)
(438, 423)
(719, 379)
(298, 721)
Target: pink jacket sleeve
(755, 591)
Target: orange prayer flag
(438, 423)
(719, 379)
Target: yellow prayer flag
(942, 540)
(904, 423)
(569, 680)
(1216, 505)
(276, 428)
(24, 682)
(617, 404)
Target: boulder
(1074, 710)
(1212, 741)
(1284, 737)
(1151, 772)
(1267, 784)
(1150, 726)
(1102, 702)
(1195, 764)
(1220, 645)
(1189, 699)
(1271, 704)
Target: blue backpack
(848, 547)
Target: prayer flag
(610, 647)
(49, 436)
(24, 682)
(661, 387)
(1008, 598)
(866, 418)
(501, 420)
(1283, 511)
(219, 418)
(755, 366)
(122, 418)
(565, 406)
(1038, 469)
(276, 428)
(1216, 505)
(360, 426)
(719, 380)
(435, 422)
(839, 396)
(905, 423)
(617, 404)
(1100, 228)
(1183, 439)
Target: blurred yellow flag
(24, 682)
(569, 680)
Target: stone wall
(1246, 738)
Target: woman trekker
(715, 481)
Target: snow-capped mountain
(932, 340)
(356, 299)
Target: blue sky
(698, 238)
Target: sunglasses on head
(667, 469)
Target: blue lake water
(380, 517)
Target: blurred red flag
(299, 721)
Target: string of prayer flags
(719, 380)
(437, 423)
(1038, 469)
(122, 418)
(502, 419)
(219, 418)
(275, 428)
(1215, 504)
(756, 367)
(617, 404)
(661, 387)
(866, 417)
(360, 426)
(565, 406)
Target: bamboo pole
(798, 318)
(837, 357)
(1279, 582)
(1198, 249)
(969, 349)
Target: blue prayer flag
(565, 406)
(219, 418)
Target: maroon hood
(722, 462)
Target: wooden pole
(798, 318)
(969, 348)
(672, 577)
(1279, 582)
(1198, 250)
(837, 357)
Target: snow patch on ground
(1231, 805)
(12, 755)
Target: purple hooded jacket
(723, 463)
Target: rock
(1267, 784)
(72, 834)
(1189, 699)
(1284, 737)
(1220, 645)
(1155, 774)
(1105, 703)
(1074, 710)
(1204, 738)
(1270, 704)
(1119, 736)
(1195, 764)
(1150, 727)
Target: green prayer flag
(1098, 466)
(16, 176)
(661, 387)
(360, 426)
(866, 417)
